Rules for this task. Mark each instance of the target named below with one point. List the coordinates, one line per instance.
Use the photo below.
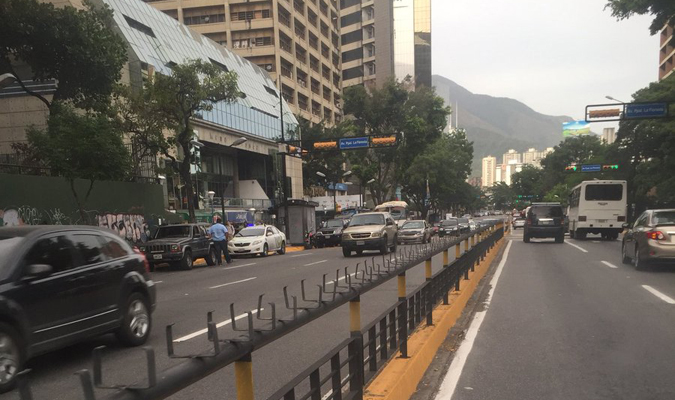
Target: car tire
(265, 250)
(526, 238)
(346, 252)
(384, 248)
(136, 322)
(282, 250)
(12, 356)
(638, 263)
(624, 257)
(211, 257)
(187, 262)
(572, 234)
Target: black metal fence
(341, 373)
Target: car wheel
(624, 257)
(346, 252)
(572, 235)
(638, 263)
(265, 250)
(211, 257)
(186, 262)
(526, 238)
(11, 357)
(137, 321)
(282, 250)
(384, 248)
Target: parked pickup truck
(179, 245)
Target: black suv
(449, 227)
(330, 233)
(544, 220)
(62, 284)
(179, 245)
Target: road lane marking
(159, 281)
(578, 247)
(658, 294)
(316, 262)
(233, 283)
(596, 241)
(609, 264)
(457, 366)
(239, 266)
(302, 255)
(218, 325)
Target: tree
(76, 48)
(528, 182)
(502, 196)
(663, 11)
(329, 163)
(191, 88)
(81, 145)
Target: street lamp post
(613, 99)
(370, 182)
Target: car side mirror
(38, 270)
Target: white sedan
(518, 223)
(259, 239)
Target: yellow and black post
(446, 258)
(355, 348)
(243, 374)
(458, 250)
(427, 269)
(403, 315)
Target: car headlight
(376, 234)
(142, 249)
(418, 234)
(175, 247)
(257, 242)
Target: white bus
(597, 206)
(397, 209)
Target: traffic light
(383, 140)
(326, 145)
(572, 168)
(609, 167)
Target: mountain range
(497, 124)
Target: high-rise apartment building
(608, 135)
(511, 155)
(666, 52)
(488, 171)
(296, 41)
(384, 38)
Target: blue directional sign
(354, 143)
(591, 168)
(650, 110)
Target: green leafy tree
(528, 182)
(192, 87)
(76, 48)
(78, 145)
(502, 196)
(663, 11)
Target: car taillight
(146, 264)
(655, 235)
(582, 218)
(621, 218)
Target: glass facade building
(412, 40)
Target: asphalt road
(185, 297)
(569, 321)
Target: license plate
(327, 236)
(546, 222)
(602, 220)
(157, 256)
(360, 243)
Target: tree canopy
(663, 11)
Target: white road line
(658, 294)
(341, 279)
(218, 325)
(159, 281)
(609, 264)
(302, 255)
(455, 371)
(578, 247)
(596, 241)
(240, 266)
(233, 283)
(316, 262)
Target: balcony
(285, 20)
(286, 46)
(299, 7)
(314, 65)
(287, 72)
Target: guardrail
(350, 365)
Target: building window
(139, 26)
(262, 41)
(352, 73)
(352, 55)
(352, 37)
(350, 19)
(204, 19)
(241, 43)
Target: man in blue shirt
(218, 233)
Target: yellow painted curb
(400, 377)
(291, 249)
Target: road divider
(218, 325)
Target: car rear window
(659, 218)
(612, 192)
(546, 212)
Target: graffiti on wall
(132, 227)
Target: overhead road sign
(626, 111)
(648, 110)
(354, 143)
(591, 168)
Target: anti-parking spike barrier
(23, 385)
(87, 386)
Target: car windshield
(178, 231)
(397, 214)
(449, 222)
(334, 223)
(659, 218)
(413, 225)
(612, 192)
(250, 232)
(361, 220)
(7, 247)
(546, 212)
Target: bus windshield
(613, 192)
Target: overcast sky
(556, 56)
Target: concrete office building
(608, 135)
(384, 38)
(666, 52)
(296, 41)
(511, 155)
(488, 171)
